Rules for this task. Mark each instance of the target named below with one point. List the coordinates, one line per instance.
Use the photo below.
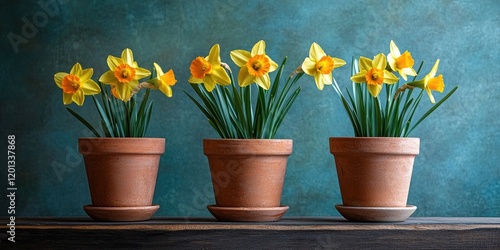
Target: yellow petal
(90, 87)
(327, 78)
(359, 77)
(337, 62)
(159, 70)
(318, 78)
(78, 97)
(431, 97)
(409, 71)
(141, 73)
(263, 81)
(132, 84)
(392, 62)
(220, 76)
(434, 69)
(240, 57)
(379, 62)
(309, 67)
(108, 78)
(374, 89)
(209, 83)
(244, 78)
(113, 62)
(402, 74)
(67, 98)
(365, 63)
(167, 90)
(214, 56)
(273, 64)
(123, 92)
(86, 74)
(193, 79)
(58, 78)
(316, 52)
(389, 77)
(76, 70)
(128, 57)
(259, 48)
(394, 50)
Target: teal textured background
(456, 174)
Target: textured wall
(456, 174)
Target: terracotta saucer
(376, 214)
(255, 214)
(121, 213)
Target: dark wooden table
(288, 233)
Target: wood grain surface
(288, 233)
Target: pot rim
(364, 145)
(232, 139)
(371, 137)
(247, 146)
(129, 145)
(121, 138)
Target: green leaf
(145, 121)
(85, 122)
(212, 118)
(434, 107)
(233, 113)
(108, 128)
(391, 118)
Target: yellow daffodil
(374, 74)
(124, 75)
(431, 82)
(76, 84)
(208, 70)
(164, 81)
(320, 66)
(254, 66)
(402, 63)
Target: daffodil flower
(402, 63)
(320, 66)
(254, 66)
(431, 82)
(208, 70)
(124, 75)
(164, 81)
(374, 74)
(76, 84)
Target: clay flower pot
(247, 177)
(121, 173)
(374, 176)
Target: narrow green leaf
(104, 118)
(85, 122)
(147, 118)
(434, 107)
(212, 118)
(282, 113)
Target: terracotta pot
(374, 171)
(121, 172)
(247, 172)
